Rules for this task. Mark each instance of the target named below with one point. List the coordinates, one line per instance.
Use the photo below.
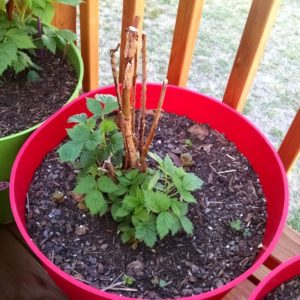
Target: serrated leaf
(114, 209)
(153, 181)
(49, 43)
(108, 125)
(126, 236)
(94, 107)
(110, 103)
(176, 226)
(8, 53)
(179, 208)
(85, 185)
(116, 143)
(157, 201)
(106, 185)
(45, 13)
(131, 202)
(122, 212)
(79, 118)
(95, 202)
(155, 157)
(186, 224)
(19, 65)
(70, 151)
(169, 166)
(187, 196)
(124, 227)
(164, 223)
(20, 38)
(191, 182)
(146, 232)
(67, 35)
(39, 3)
(79, 133)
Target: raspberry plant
(24, 28)
(148, 203)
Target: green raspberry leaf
(179, 208)
(108, 125)
(191, 182)
(116, 143)
(70, 151)
(67, 35)
(157, 201)
(8, 53)
(79, 133)
(49, 43)
(110, 103)
(164, 223)
(106, 185)
(85, 185)
(187, 225)
(146, 232)
(131, 202)
(94, 107)
(187, 196)
(79, 118)
(153, 181)
(20, 38)
(95, 202)
(121, 212)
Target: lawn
(275, 96)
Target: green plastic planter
(10, 145)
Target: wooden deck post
(184, 39)
(89, 28)
(256, 32)
(65, 17)
(289, 150)
(131, 8)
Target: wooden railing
(252, 44)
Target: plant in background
(25, 26)
(111, 158)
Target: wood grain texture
(184, 39)
(289, 150)
(89, 31)
(21, 276)
(65, 17)
(256, 32)
(240, 292)
(259, 274)
(131, 9)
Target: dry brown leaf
(206, 147)
(200, 131)
(176, 160)
(187, 159)
(76, 197)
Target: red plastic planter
(282, 273)
(197, 107)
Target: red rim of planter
(282, 273)
(264, 253)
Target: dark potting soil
(24, 104)
(90, 248)
(288, 290)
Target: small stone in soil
(135, 268)
(81, 230)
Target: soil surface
(24, 104)
(288, 290)
(90, 249)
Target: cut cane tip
(132, 29)
(144, 33)
(165, 81)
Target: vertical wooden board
(89, 31)
(65, 17)
(131, 8)
(241, 291)
(256, 32)
(21, 276)
(289, 150)
(184, 39)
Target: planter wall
(197, 107)
(282, 273)
(10, 145)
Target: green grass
(275, 94)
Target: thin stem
(115, 74)
(144, 95)
(153, 126)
